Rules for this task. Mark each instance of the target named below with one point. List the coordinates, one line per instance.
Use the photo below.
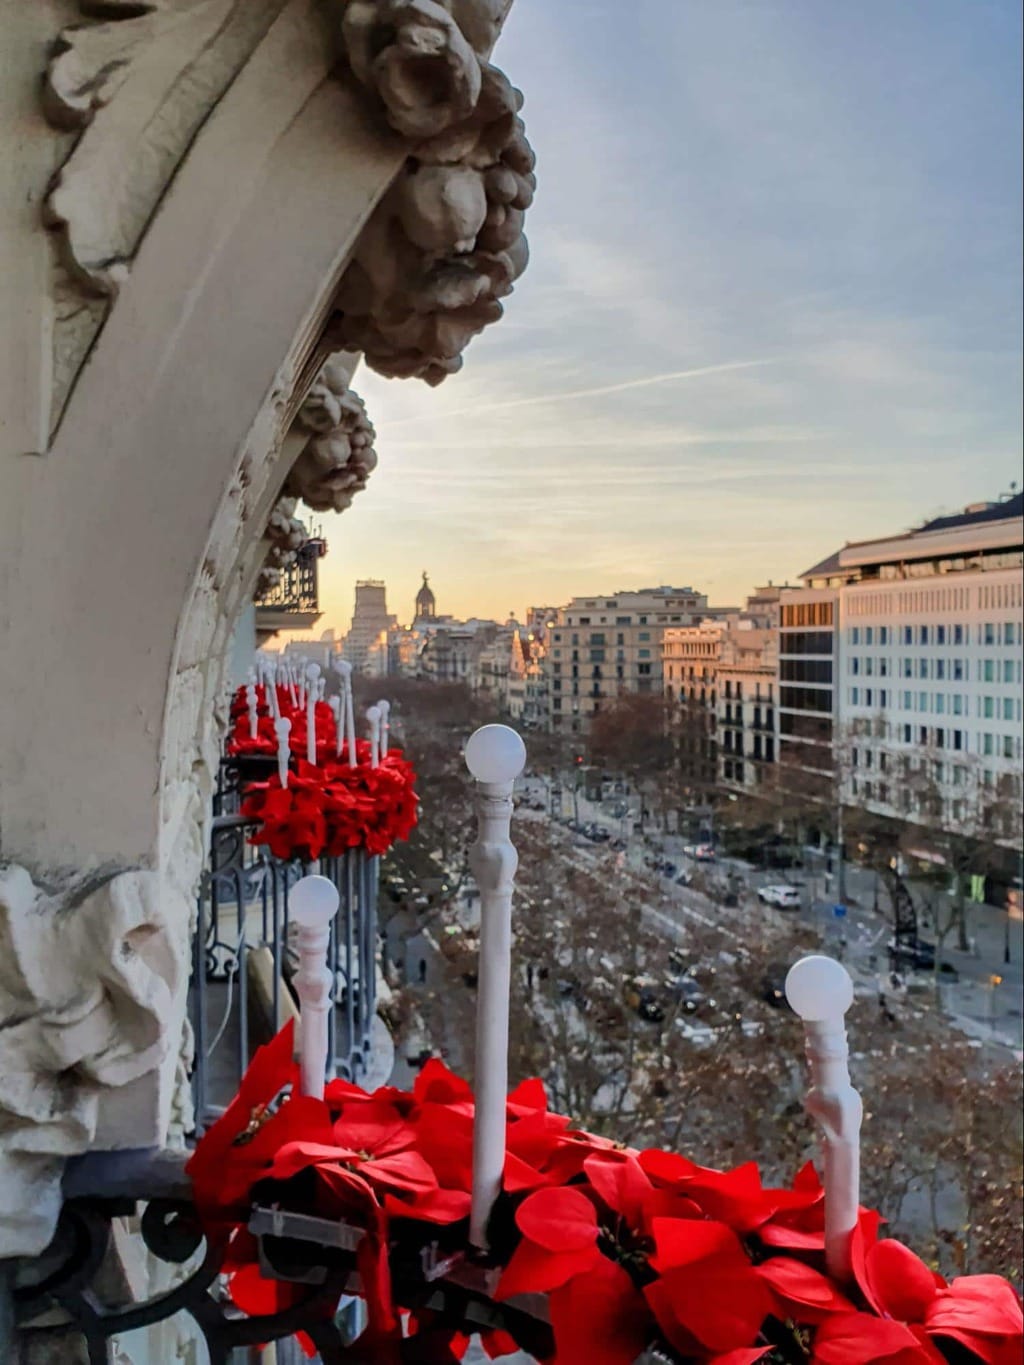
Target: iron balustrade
(243, 909)
(296, 589)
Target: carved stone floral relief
(446, 244)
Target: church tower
(426, 606)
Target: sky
(773, 305)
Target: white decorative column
(495, 755)
(313, 905)
(820, 991)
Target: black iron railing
(296, 590)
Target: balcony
(293, 602)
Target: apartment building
(602, 647)
(906, 651)
(745, 705)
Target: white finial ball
(313, 902)
(819, 988)
(495, 753)
(312, 672)
(282, 727)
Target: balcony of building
(293, 602)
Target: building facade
(900, 659)
(370, 621)
(603, 647)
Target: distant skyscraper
(369, 621)
(426, 604)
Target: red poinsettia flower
(241, 1146)
(896, 1283)
(800, 1292)
(735, 1197)
(798, 1218)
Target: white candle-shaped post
(321, 688)
(271, 685)
(312, 906)
(312, 692)
(384, 707)
(250, 701)
(820, 991)
(495, 755)
(335, 705)
(292, 687)
(373, 716)
(282, 729)
(345, 672)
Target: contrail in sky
(669, 378)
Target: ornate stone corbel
(286, 534)
(339, 457)
(91, 987)
(446, 243)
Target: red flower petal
(684, 1241)
(600, 1318)
(899, 1281)
(558, 1220)
(720, 1300)
(980, 1304)
(861, 1339)
(802, 1293)
(532, 1270)
(620, 1181)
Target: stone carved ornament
(286, 534)
(88, 984)
(135, 90)
(339, 457)
(446, 243)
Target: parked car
(641, 995)
(783, 896)
(684, 878)
(686, 993)
(700, 853)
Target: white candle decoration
(345, 672)
(373, 716)
(282, 729)
(312, 906)
(820, 991)
(495, 755)
(321, 688)
(312, 692)
(271, 685)
(335, 705)
(384, 707)
(250, 699)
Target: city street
(985, 999)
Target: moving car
(783, 897)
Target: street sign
(839, 911)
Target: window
(644, 653)
(988, 670)
(883, 697)
(855, 665)
(988, 707)
(908, 668)
(958, 670)
(883, 635)
(869, 698)
(869, 635)
(958, 704)
(908, 701)
(1007, 746)
(989, 633)
(987, 745)
(1008, 670)
(940, 635)
(908, 635)
(924, 635)
(958, 739)
(907, 733)
(940, 668)
(922, 701)
(643, 620)
(869, 665)
(597, 656)
(623, 620)
(584, 620)
(644, 634)
(597, 637)
(958, 635)
(644, 670)
(940, 702)
(855, 636)
(1007, 708)
(854, 696)
(923, 670)
(620, 639)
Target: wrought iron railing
(243, 911)
(296, 589)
